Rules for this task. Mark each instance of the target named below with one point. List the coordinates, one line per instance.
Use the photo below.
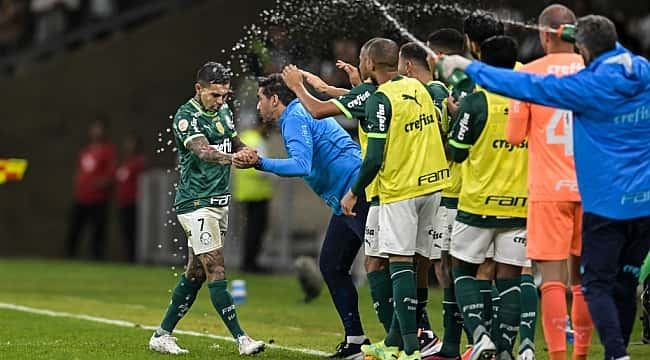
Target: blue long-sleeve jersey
(320, 151)
(610, 99)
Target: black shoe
(349, 351)
(645, 316)
(429, 343)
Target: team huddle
(445, 175)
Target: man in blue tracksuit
(322, 153)
(610, 100)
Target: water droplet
(173, 267)
(175, 240)
(175, 274)
(168, 129)
(159, 246)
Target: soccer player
(205, 136)
(478, 27)
(554, 210)
(406, 155)
(491, 208)
(610, 100)
(328, 159)
(448, 41)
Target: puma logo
(478, 316)
(510, 339)
(528, 324)
(409, 97)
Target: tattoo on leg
(195, 272)
(213, 265)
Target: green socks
(485, 287)
(405, 302)
(452, 320)
(421, 311)
(509, 313)
(183, 297)
(470, 299)
(222, 302)
(529, 303)
(496, 301)
(381, 291)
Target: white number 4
(566, 118)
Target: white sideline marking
(124, 323)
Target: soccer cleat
(483, 349)
(248, 346)
(415, 356)
(429, 343)
(504, 355)
(527, 354)
(165, 344)
(467, 353)
(349, 351)
(379, 351)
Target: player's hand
(348, 202)
(453, 62)
(245, 158)
(452, 107)
(317, 83)
(292, 77)
(351, 70)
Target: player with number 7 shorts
(554, 209)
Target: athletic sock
(381, 291)
(394, 335)
(222, 302)
(583, 327)
(529, 303)
(496, 301)
(421, 311)
(405, 302)
(509, 313)
(554, 315)
(452, 320)
(485, 287)
(469, 299)
(183, 297)
(358, 340)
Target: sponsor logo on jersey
(641, 113)
(381, 117)
(464, 126)
(433, 177)
(225, 146)
(559, 70)
(220, 128)
(519, 240)
(407, 97)
(435, 235)
(358, 101)
(572, 185)
(511, 201)
(504, 144)
(420, 123)
(636, 197)
(183, 125)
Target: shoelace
(342, 346)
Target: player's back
(551, 171)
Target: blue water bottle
(568, 331)
(238, 291)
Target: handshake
(245, 158)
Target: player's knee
(375, 264)
(196, 276)
(216, 272)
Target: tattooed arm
(202, 149)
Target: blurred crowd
(32, 22)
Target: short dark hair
(275, 85)
(384, 53)
(597, 34)
(448, 41)
(415, 53)
(500, 51)
(213, 73)
(367, 44)
(481, 25)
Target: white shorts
(471, 244)
(406, 226)
(371, 235)
(439, 233)
(451, 217)
(205, 228)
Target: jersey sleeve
(378, 114)
(518, 121)
(299, 143)
(186, 127)
(469, 122)
(353, 104)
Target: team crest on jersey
(205, 238)
(219, 127)
(183, 125)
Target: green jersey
(353, 103)
(202, 184)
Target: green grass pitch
(140, 294)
